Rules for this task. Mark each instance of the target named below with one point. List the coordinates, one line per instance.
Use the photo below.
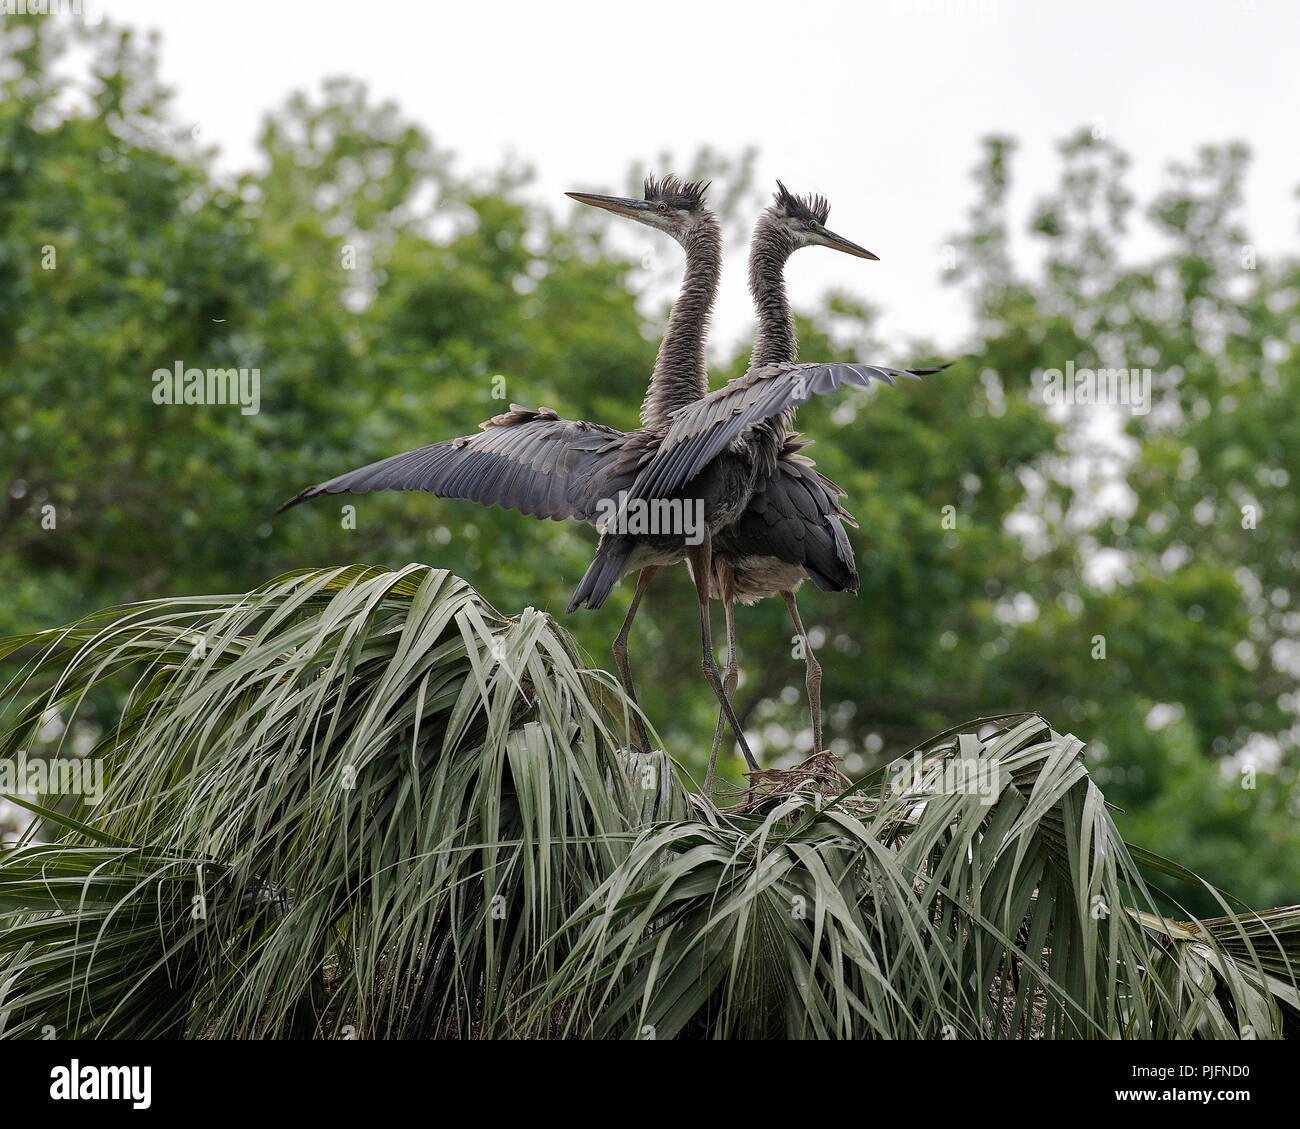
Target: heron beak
(619, 205)
(839, 243)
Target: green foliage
(381, 292)
(353, 784)
(998, 901)
(360, 802)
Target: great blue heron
(535, 462)
(680, 374)
(790, 223)
(733, 452)
(794, 526)
(795, 521)
(717, 452)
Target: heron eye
(662, 206)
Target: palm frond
(428, 787)
(979, 890)
(358, 801)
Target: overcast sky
(878, 105)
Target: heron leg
(620, 652)
(701, 561)
(726, 587)
(813, 679)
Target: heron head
(670, 205)
(804, 217)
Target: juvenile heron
(794, 522)
(717, 451)
(538, 463)
(794, 526)
(680, 374)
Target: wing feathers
(530, 461)
(795, 516)
(703, 430)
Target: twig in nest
(819, 773)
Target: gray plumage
(763, 500)
(701, 432)
(530, 461)
(540, 464)
(794, 523)
(792, 527)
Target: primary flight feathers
(530, 461)
(540, 464)
(701, 431)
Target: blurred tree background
(1135, 582)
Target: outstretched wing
(530, 461)
(796, 517)
(701, 431)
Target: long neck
(680, 376)
(775, 343)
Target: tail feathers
(829, 560)
(601, 576)
(846, 582)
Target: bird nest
(819, 774)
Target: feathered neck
(775, 341)
(681, 376)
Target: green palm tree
(359, 802)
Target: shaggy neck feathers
(680, 375)
(775, 343)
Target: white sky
(878, 105)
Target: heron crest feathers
(812, 207)
(675, 191)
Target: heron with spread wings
(539, 464)
(718, 451)
(794, 526)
